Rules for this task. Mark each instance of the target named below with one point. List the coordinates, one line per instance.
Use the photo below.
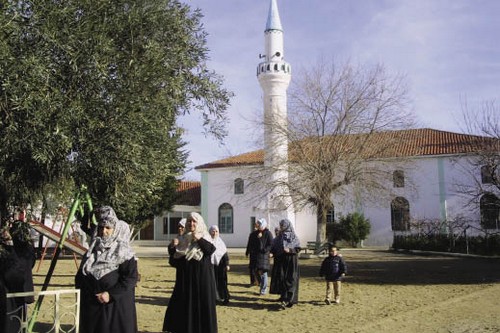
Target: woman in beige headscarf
(191, 308)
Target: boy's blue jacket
(332, 268)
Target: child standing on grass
(333, 268)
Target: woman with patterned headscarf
(192, 306)
(285, 251)
(107, 278)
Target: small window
(400, 214)
(239, 186)
(398, 178)
(486, 174)
(330, 216)
(165, 225)
(252, 223)
(226, 218)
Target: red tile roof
(189, 193)
(403, 143)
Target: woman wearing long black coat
(285, 251)
(107, 278)
(13, 274)
(261, 252)
(192, 306)
(220, 260)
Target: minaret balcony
(274, 67)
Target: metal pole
(36, 309)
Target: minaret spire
(274, 75)
(273, 18)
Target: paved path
(161, 252)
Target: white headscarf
(188, 246)
(262, 223)
(105, 254)
(220, 246)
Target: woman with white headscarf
(261, 250)
(192, 306)
(107, 278)
(220, 260)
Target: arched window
(489, 205)
(226, 218)
(398, 178)
(239, 186)
(400, 214)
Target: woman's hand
(103, 297)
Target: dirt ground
(383, 292)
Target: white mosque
(439, 161)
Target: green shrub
(355, 228)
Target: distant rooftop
(189, 193)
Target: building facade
(430, 177)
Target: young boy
(333, 268)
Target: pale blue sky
(446, 48)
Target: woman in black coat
(15, 273)
(261, 252)
(107, 278)
(220, 260)
(285, 251)
(192, 306)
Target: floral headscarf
(289, 238)
(105, 254)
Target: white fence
(59, 312)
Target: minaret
(274, 75)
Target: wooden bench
(316, 248)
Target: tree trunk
(321, 224)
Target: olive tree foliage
(90, 92)
(482, 122)
(339, 115)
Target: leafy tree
(355, 228)
(91, 90)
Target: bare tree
(341, 125)
(483, 167)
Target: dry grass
(383, 292)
